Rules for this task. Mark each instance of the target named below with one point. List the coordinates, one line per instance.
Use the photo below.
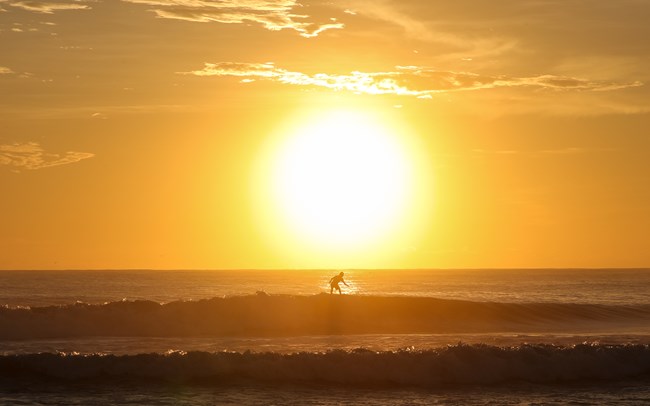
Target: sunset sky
(227, 134)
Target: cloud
(32, 156)
(417, 21)
(496, 152)
(5, 71)
(273, 15)
(49, 7)
(566, 151)
(414, 81)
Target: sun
(342, 179)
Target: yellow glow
(341, 183)
(341, 179)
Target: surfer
(334, 283)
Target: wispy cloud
(49, 7)
(414, 81)
(32, 156)
(99, 116)
(5, 71)
(273, 15)
(565, 151)
(496, 152)
(435, 28)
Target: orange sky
(145, 133)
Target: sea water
(279, 337)
(603, 286)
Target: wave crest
(282, 315)
(460, 364)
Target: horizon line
(328, 269)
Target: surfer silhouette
(334, 283)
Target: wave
(460, 364)
(283, 315)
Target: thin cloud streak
(32, 156)
(414, 81)
(394, 13)
(49, 7)
(5, 71)
(274, 15)
(567, 151)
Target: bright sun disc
(341, 180)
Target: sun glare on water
(341, 180)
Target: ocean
(395, 337)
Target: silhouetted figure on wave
(334, 283)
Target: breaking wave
(283, 315)
(460, 364)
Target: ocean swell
(461, 364)
(283, 315)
